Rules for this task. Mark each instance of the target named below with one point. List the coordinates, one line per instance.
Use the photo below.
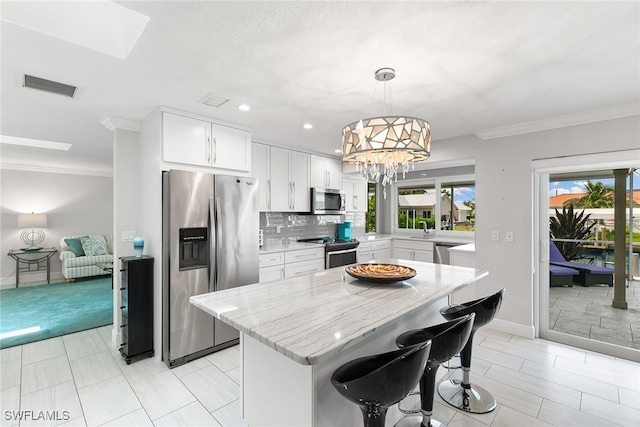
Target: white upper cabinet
(288, 187)
(355, 191)
(186, 140)
(301, 197)
(230, 148)
(261, 169)
(198, 142)
(326, 172)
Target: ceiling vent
(49, 86)
(214, 100)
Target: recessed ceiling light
(307, 126)
(244, 107)
(39, 143)
(337, 150)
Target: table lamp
(32, 235)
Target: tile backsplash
(285, 225)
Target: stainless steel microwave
(325, 201)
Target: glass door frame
(541, 169)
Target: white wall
(504, 201)
(74, 204)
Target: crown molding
(112, 123)
(618, 112)
(49, 169)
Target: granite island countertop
(312, 317)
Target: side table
(40, 258)
(106, 267)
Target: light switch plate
(128, 236)
(495, 235)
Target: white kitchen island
(295, 332)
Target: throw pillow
(93, 247)
(75, 245)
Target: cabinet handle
(291, 202)
(269, 194)
(215, 151)
(124, 306)
(293, 199)
(122, 289)
(208, 147)
(123, 326)
(124, 269)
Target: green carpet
(35, 313)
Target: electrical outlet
(495, 235)
(508, 236)
(128, 236)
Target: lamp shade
(32, 220)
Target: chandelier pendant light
(379, 146)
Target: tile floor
(536, 383)
(587, 312)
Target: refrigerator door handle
(212, 244)
(216, 230)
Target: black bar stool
(446, 340)
(376, 382)
(462, 394)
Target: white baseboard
(28, 279)
(517, 329)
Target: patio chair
(562, 276)
(587, 274)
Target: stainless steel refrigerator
(210, 243)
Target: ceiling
(465, 67)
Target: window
(415, 206)
(370, 226)
(444, 203)
(458, 207)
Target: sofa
(80, 254)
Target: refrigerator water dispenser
(194, 251)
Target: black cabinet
(136, 311)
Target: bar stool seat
(376, 382)
(446, 340)
(461, 393)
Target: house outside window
(446, 204)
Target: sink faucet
(425, 231)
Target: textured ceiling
(462, 66)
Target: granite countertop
(469, 248)
(310, 318)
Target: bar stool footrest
(475, 400)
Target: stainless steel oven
(338, 252)
(338, 257)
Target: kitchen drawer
(413, 244)
(304, 267)
(364, 247)
(267, 260)
(305, 255)
(379, 244)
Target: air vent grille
(214, 100)
(49, 86)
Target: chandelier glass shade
(380, 146)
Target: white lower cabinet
(280, 265)
(413, 250)
(269, 274)
(378, 250)
(271, 266)
(303, 261)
